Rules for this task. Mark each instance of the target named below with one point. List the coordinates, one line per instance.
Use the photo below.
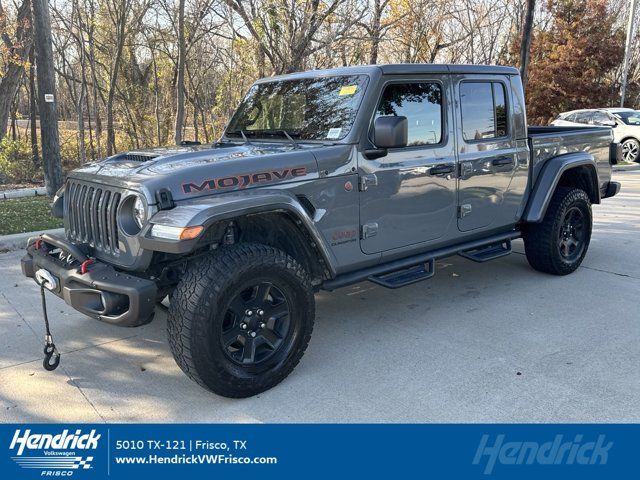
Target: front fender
(549, 178)
(213, 209)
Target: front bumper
(101, 292)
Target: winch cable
(51, 354)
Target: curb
(17, 241)
(626, 168)
(23, 192)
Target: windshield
(630, 118)
(322, 108)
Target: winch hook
(51, 354)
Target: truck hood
(193, 171)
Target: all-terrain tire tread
(190, 303)
(540, 239)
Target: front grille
(91, 212)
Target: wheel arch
(271, 217)
(283, 229)
(629, 137)
(577, 170)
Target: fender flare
(549, 178)
(215, 208)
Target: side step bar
(407, 270)
(402, 278)
(488, 252)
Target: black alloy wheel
(256, 324)
(572, 234)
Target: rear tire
(240, 319)
(559, 243)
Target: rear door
(409, 195)
(487, 152)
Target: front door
(409, 195)
(487, 153)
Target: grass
(26, 214)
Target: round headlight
(139, 212)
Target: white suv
(624, 121)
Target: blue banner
(86, 451)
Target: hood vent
(133, 157)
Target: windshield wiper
(244, 137)
(279, 131)
(290, 138)
(270, 132)
(242, 134)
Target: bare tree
(126, 19)
(95, 90)
(119, 14)
(18, 49)
(376, 28)
(287, 32)
(46, 96)
(182, 53)
(525, 41)
(35, 155)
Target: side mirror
(609, 123)
(391, 132)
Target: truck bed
(548, 142)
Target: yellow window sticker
(348, 90)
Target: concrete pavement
(494, 342)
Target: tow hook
(51, 354)
(84, 267)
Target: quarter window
(421, 103)
(484, 110)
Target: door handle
(501, 161)
(441, 169)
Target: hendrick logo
(556, 452)
(54, 454)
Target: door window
(484, 110)
(421, 103)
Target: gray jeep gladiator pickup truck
(321, 179)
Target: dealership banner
(89, 451)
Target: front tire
(240, 319)
(559, 243)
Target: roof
(617, 109)
(417, 68)
(607, 109)
(400, 69)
